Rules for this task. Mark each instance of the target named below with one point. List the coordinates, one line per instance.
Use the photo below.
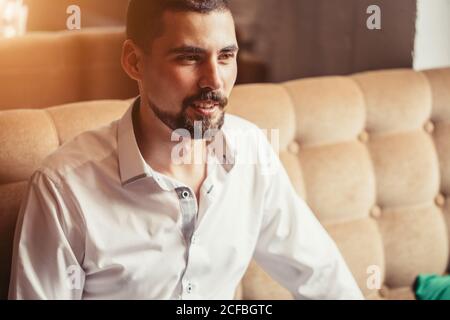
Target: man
(157, 205)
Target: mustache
(214, 96)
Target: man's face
(191, 69)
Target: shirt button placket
(188, 211)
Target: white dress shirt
(98, 223)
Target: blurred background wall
(303, 38)
(291, 39)
(50, 15)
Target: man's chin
(205, 127)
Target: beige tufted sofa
(370, 154)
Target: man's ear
(131, 60)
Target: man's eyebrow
(186, 50)
(232, 48)
(197, 50)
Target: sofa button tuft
(294, 147)
(375, 212)
(440, 200)
(429, 127)
(363, 137)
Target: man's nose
(210, 76)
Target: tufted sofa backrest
(370, 154)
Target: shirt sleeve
(296, 251)
(48, 245)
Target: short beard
(204, 127)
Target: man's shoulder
(87, 147)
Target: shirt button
(185, 194)
(189, 287)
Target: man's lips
(205, 107)
(207, 104)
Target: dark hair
(144, 16)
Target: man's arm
(48, 245)
(295, 249)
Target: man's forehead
(181, 28)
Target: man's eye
(188, 58)
(227, 56)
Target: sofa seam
(53, 124)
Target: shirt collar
(132, 165)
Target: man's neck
(155, 143)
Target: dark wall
(304, 38)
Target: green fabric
(432, 287)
